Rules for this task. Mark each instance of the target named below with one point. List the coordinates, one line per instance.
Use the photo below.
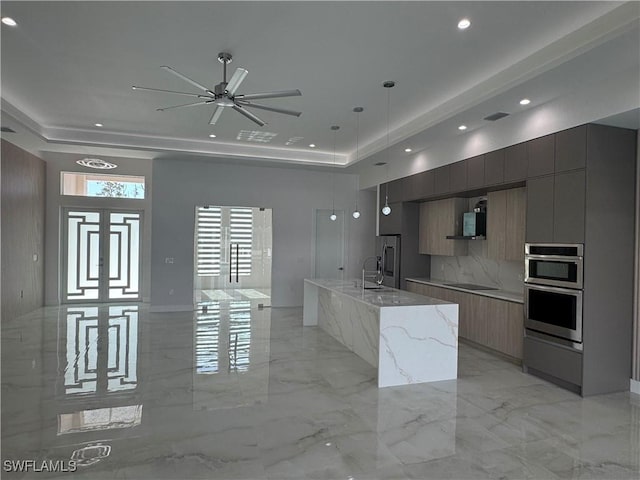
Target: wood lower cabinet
(491, 322)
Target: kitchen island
(408, 338)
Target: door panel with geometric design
(101, 255)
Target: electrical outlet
(171, 291)
(168, 260)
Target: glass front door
(101, 255)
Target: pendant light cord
(386, 195)
(357, 155)
(335, 129)
(333, 175)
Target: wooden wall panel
(22, 218)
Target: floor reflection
(260, 295)
(232, 344)
(101, 349)
(246, 393)
(100, 419)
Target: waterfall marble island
(408, 338)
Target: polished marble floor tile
(238, 392)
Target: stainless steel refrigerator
(399, 259)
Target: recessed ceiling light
(464, 24)
(462, 127)
(312, 145)
(9, 21)
(99, 125)
(525, 101)
(213, 135)
(408, 150)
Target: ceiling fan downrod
(224, 58)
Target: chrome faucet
(377, 275)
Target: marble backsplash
(477, 268)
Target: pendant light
(357, 110)
(333, 217)
(386, 210)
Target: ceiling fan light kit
(223, 95)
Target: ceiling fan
(224, 95)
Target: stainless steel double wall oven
(553, 292)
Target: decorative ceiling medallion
(96, 163)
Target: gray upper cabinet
(539, 210)
(397, 190)
(493, 167)
(476, 171)
(556, 208)
(569, 207)
(541, 155)
(515, 163)
(421, 185)
(458, 176)
(441, 180)
(571, 149)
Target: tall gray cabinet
(589, 198)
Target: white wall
(293, 194)
(57, 163)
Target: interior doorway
(233, 254)
(101, 255)
(329, 244)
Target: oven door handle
(553, 257)
(544, 288)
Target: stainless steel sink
(469, 286)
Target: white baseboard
(634, 386)
(171, 308)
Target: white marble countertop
(383, 297)
(499, 294)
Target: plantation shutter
(209, 223)
(241, 228)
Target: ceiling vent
(7, 130)
(496, 116)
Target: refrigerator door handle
(237, 261)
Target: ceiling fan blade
(248, 114)
(256, 96)
(236, 80)
(187, 79)
(271, 109)
(216, 115)
(184, 105)
(197, 95)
